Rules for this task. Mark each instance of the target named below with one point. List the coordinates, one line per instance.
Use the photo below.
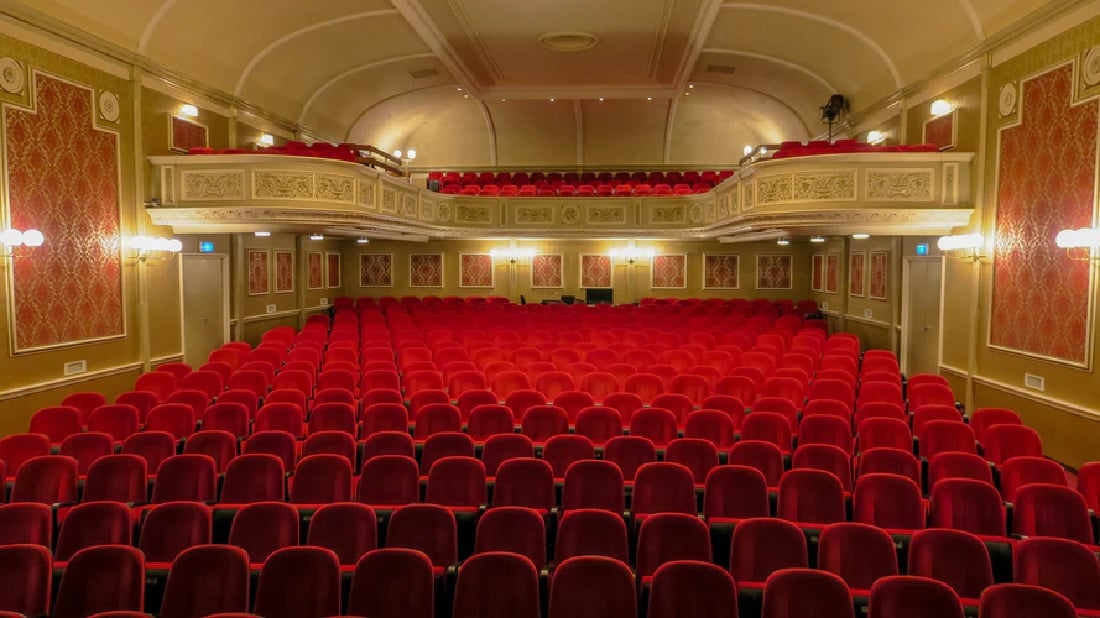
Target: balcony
(895, 193)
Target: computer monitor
(598, 296)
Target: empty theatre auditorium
(549, 309)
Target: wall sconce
(188, 111)
(1084, 238)
(512, 255)
(632, 254)
(941, 107)
(266, 140)
(148, 247)
(10, 239)
(964, 246)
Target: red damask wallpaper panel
(773, 272)
(426, 270)
(880, 268)
(668, 272)
(596, 271)
(941, 130)
(818, 269)
(63, 180)
(332, 270)
(184, 134)
(832, 273)
(1047, 179)
(857, 271)
(259, 272)
(315, 268)
(547, 271)
(284, 272)
(720, 272)
(475, 270)
(376, 270)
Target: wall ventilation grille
(721, 68)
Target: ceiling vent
(422, 73)
(721, 68)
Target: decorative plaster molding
(13, 77)
(212, 185)
(904, 185)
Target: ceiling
(387, 69)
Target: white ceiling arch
(773, 59)
(151, 27)
(821, 19)
(299, 32)
(359, 69)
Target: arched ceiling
(387, 69)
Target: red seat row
(844, 146)
(567, 190)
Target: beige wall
(1067, 413)
(630, 282)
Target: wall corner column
(142, 268)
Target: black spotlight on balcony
(831, 111)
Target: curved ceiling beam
(787, 63)
(488, 116)
(359, 69)
(975, 21)
(788, 106)
(151, 27)
(821, 19)
(359, 116)
(299, 32)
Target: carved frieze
(335, 188)
(472, 213)
(824, 186)
(667, 214)
(389, 200)
(534, 214)
(443, 212)
(366, 195)
(695, 214)
(167, 185)
(950, 184)
(903, 185)
(212, 185)
(771, 189)
(570, 214)
(724, 206)
(282, 185)
(427, 210)
(605, 216)
(748, 195)
(408, 207)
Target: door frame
(906, 275)
(224, 259)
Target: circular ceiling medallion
(108, 106)
(1006, 102)
(12, 77)
(568, 41)
(1091, 72)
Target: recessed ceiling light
(687, 94)
(691, 85)
(460, 90)
(317, 237)
(465, 96)
(601, 98)
(817, 239)
(263, 234)
(861, 236)
(551, 100)
(363, 241)
(504, 100)
(649, 98)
